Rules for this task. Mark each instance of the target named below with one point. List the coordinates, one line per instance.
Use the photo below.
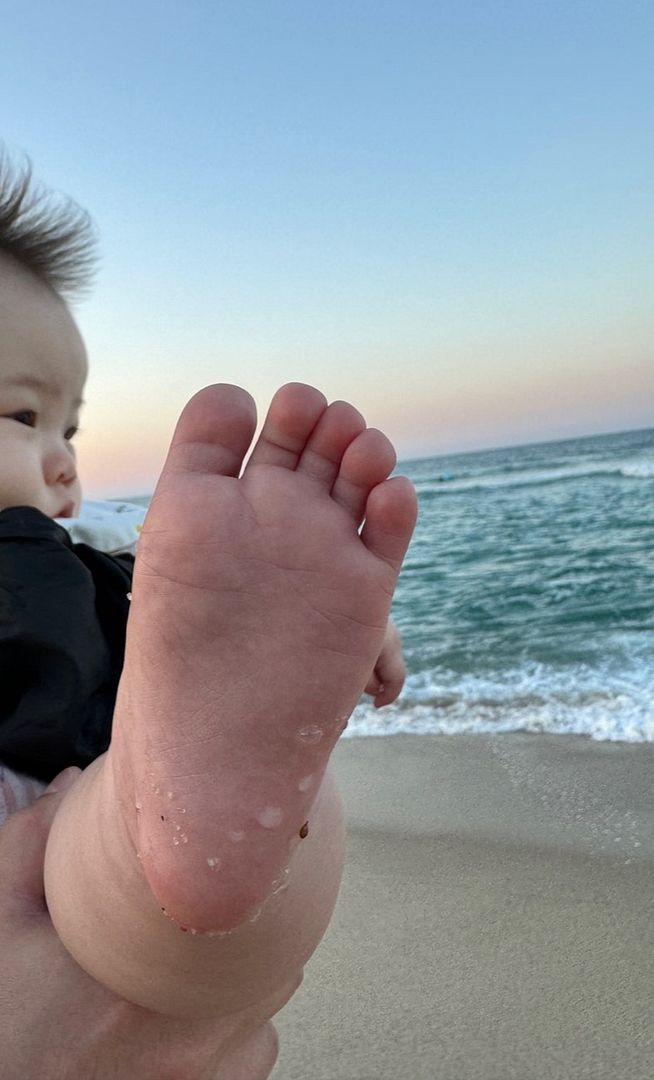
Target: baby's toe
(213, 432)
(368, 460)
(338, 426)
(391, 512)
(294, 412)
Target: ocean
(526, 602)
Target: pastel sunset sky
(441, 211)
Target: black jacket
(63, 614)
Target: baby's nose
(68, 473)
(60, 466)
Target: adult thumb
(65, 779)
(23, 841)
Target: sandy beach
(496, 919)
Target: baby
(194, 864)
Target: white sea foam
(580, 700)
(636, 469)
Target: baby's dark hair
(47, 233)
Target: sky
(443, 212)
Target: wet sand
(496, 919)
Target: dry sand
(496, 920)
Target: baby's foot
(259, 609)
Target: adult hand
(57, 1023)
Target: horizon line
(519, 446)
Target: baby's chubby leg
(260, 603)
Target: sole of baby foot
(260, 601)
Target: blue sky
(440, 210)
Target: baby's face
(42, 374)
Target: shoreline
(495, 918)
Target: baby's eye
(71, 433)
(26, 416)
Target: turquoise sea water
(527, 596)
(526, 602)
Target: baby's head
(46, 255)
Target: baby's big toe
(213, 432)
